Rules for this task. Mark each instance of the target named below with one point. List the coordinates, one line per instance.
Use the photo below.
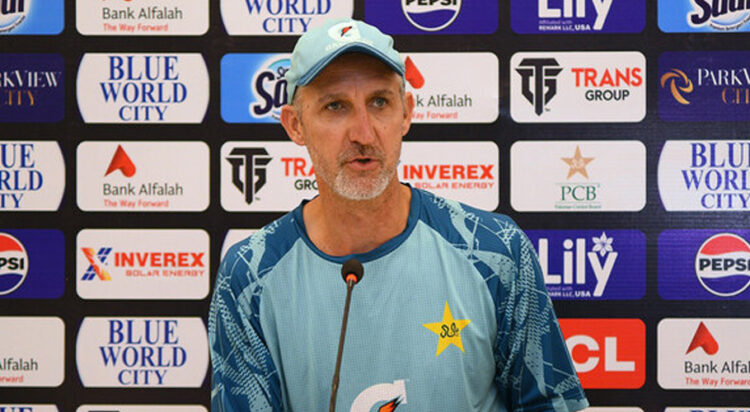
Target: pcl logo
(431, 15)
(13, 263)
(722, 265)
(269, 88)
(607, 353)
(12, 13)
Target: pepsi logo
(431, 15)
(722, 264)
(13, 263)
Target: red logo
(390, 406)
(344, 30)
(607, 353)
(412, 74)
(703, 339)
(121, 161)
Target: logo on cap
(346, 31)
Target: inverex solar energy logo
(576, 176)
(577, 87)
(704, 265)
(592, 264)
(253, 87)
(589, 16)
(708, 175)
(32, 88)
(32, 176)
(703, 354)
(142, 352)
(268, 17)
(148, 176)
(607, 353)
(32, 264)
(33, 351)
(433, 16)
(142, 88)
(704, 86)
(31, 16)
(453, 87)
(142, 17)
(683, 16)
(142, 264)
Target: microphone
(351, 272)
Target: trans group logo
(703, 354)
(31, 17)
(717, 16)
(32, 264)
(704, 86)
(575, 176)
(32, 88)
(139, 352)
(705, 175)
(704, 265)
(568, 16)
(253, 87)
(142, 17)
(577, 87)
(607, 353)
(433, 16)
(142, 88)
(592, 264)
(32, 176)
(275, 18)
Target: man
(452, 312)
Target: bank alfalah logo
(703, 339)
(542, 73)
(253, 161)
(121, 161)
(679, 84)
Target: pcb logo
(13, 263)
(431, 15)
(269, 87)
(722, 265)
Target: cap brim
(348, 48)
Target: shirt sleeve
(244, 375)
(534, 369)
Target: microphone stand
(351, 279)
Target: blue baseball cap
(321, 45)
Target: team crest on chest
(448, 330)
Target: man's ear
(292, 123)
(409, 103)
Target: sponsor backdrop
(141, 138)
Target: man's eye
(333, 106)
(379, 101)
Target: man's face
(352, 118)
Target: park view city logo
(704, 265)
(140, 408)
(578, 87)
(717, 16)
(713, 354)
(142, 264)
(285, 17)
(574, 176)
(32, 88)
(32, 351)
(32, 264)
(607, 353)
(569, 16)
(32, 176)
(142, 88)
(592, 264)
(433, 16)
(708, 175)
(27, 408)
(142, 352)
(142, 17)
(253, 87)
(145, 176)
(277, 176)
(453, 87)
(31, 17)
(704, 86)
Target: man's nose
(362, 129)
